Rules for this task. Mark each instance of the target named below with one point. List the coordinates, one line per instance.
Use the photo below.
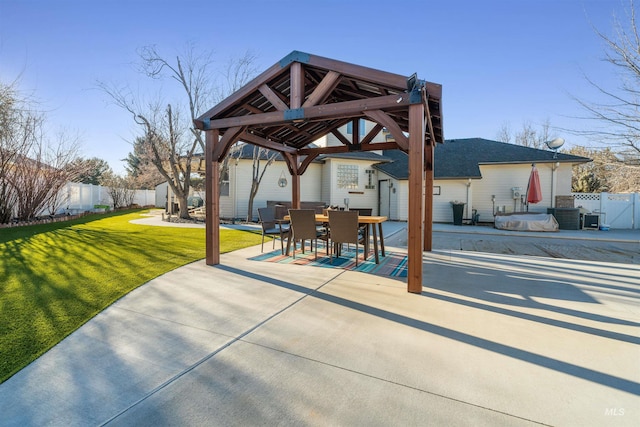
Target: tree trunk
(252, 196)
(183, 206)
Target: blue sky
(499, 61)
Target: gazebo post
(295, 182)
(295, 191)
(212, 196)
(428, 201)
(416, 190)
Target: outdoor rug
(393, 264)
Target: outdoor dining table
(373, 226)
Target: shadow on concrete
(510, 351)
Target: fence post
(604, 200)
(68, 188)
(635, 208)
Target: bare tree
(260, 155)
(43, 172)
(15, 128)
(528, 136)
(616, 120)
(33, 166)
(122, 190)
(236, 73)
(171, 142)
(169, 134)
(504, 134)
(128, 191)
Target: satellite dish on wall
(554, 144)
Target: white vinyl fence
(621, 211)
(78, 198)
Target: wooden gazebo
(304, 97)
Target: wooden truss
(304, 97)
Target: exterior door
(384, 199)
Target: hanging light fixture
(282, 181)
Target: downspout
(235, 190)
(468, 198)
(554, 183)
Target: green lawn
(55, 277)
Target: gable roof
(461, 158)
(304, 97)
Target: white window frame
(361, 125)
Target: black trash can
(458, 211)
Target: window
(348, 176)
(224, 184)
(361, 125)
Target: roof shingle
(461, 158)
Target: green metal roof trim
(461, 158)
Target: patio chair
(362, 228)
(344, 229)
(363, 211)
(272, 227)
(303, 227)
(281, 211)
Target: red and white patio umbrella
(534, 191)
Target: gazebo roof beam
(372, 134)
(359, 72)
(230, 137)
(340, 136)
(353, 108)
(336, 149)
(245, 90)
(262, 142)
(380, 117)
(273, 98)
(323, 89)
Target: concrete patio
(492, 340)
